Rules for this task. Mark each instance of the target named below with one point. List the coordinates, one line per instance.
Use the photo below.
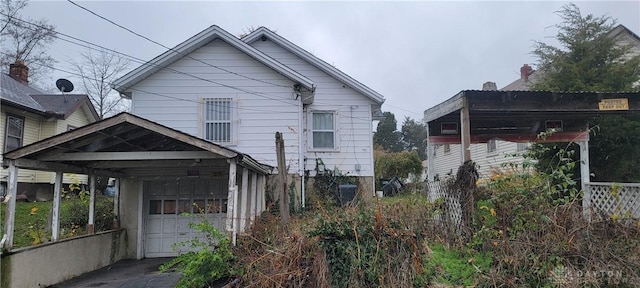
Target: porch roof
(126, 145)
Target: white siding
(31, 134)
(353, 116)
(262, 109)
(488, 164)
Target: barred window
(218, 119)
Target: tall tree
(97, 71)
(589, 58)
(387, 136)
(414, 135)
(25, 39)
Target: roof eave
(315, 61)
(127, 81)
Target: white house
(239, 92)
(491, 156)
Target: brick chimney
(525, 71)
(489, 86)
(19, 71)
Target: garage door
(167, 203)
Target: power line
(90, 44)
(169, 48)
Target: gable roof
(315, 61)
(15, 93)
(183, 49)
(123, 137)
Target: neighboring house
(29, 115)
(239, 92)
(491, 156)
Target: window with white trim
(323, 130)
(218, 120)
(522, 147)
(14, 133)
(492, 147)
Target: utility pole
(282, 175)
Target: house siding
(353, 114)
(31, 135)
(261, 109)
(488, 164)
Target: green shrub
(207, 261)
(76, 214)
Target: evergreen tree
(591, 59)
(414, 135)
(387, 136)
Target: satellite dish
(64, 85)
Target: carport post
(254, 196)
(116, 205)
(465, 131)
(232, 200)
(244, 199)
(11, 206)
(585, 179)
(55, 207)
(92, 203)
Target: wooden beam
(138, 155)
(465, 131)
(282, 176)
(55, 207)
(557, 137)
(116, 205)
(585, 179)
(217, 163)
(451, 105)
(54, 166)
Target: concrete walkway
(126, 273)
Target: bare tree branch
(98, 70)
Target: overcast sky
(416, 54)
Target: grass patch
(31, 219)
(455, 267)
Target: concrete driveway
(126, 273)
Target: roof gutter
(246, 160)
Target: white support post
(232, 200)
(92, 204)
(116, 205)
(55, 207)
(585, 179)
(12, 192)
(254, 196)
(431, 175)
(244, 199)
(260, 195)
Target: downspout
(301, 152)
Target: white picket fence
(615, 200)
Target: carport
(160, 172)
(477, 116)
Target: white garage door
(166, 205)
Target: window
(217, 120)
(492, 147)
(447, 148)
(521, 147)
(323, 130)
(14, 132)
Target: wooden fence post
(282, 175)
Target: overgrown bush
(77, 215)
(389, 164)
(206, 261)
